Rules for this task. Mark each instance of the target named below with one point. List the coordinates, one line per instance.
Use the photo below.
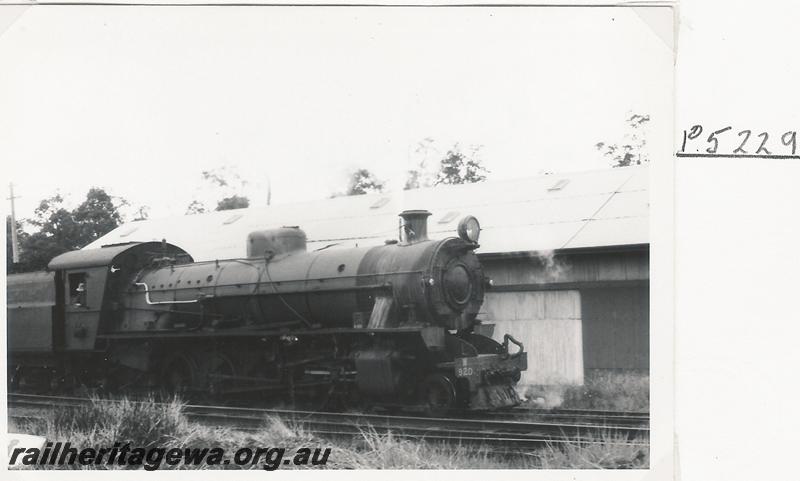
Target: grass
(146, 424)
(100, 424)
(602, 389)
(388, 452)
(611, 454)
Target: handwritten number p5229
(705, 142)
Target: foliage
(632, 149)
(224, 182)
(626, 390)
(362, 181)
(142, 213)
(60, 230)
(144, 423)
(455, 167)
(614, 452)
(195, 207)
(459, 168)
(414, 179)
(611, 390)
(420, 177)
(97, 215)
(233, 202)
(225, 176)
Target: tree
(233, 202)
(142, 213)
(225, 176)
(196, 207)
(362, 181)
(58, 230)
(459, 168)
(97, 215)
(61, 230)
(414, 179)
(38, 249)
(46, 209)
(224, 182)
(631, 150)
(419, 176)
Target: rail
(504, 435)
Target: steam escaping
(544, 397)
(554, 267)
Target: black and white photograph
(274, 237)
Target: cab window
(77, 289)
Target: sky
(141, 100)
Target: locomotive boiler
(392, 325)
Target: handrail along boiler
(392, 324)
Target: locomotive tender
(390, 325)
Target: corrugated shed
(549, 212)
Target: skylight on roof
(232, 219)
(559, 185)
(449, 217)
(380, 203)
(129, 231)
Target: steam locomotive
(392, 325)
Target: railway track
(573, 416)
(516, 432)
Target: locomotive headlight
(469, 229)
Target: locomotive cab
(56, 318)
(87, 284)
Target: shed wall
(547, 268)
(612, 290)
(548, 323)
(616, 327)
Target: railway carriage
(391, 325)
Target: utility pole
(269, 191)
(14, 245)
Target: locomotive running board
(255, 333)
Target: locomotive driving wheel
(220, 371)
(438, 394)
(179, 374)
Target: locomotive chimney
(413, 226)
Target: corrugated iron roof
(550, 212)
